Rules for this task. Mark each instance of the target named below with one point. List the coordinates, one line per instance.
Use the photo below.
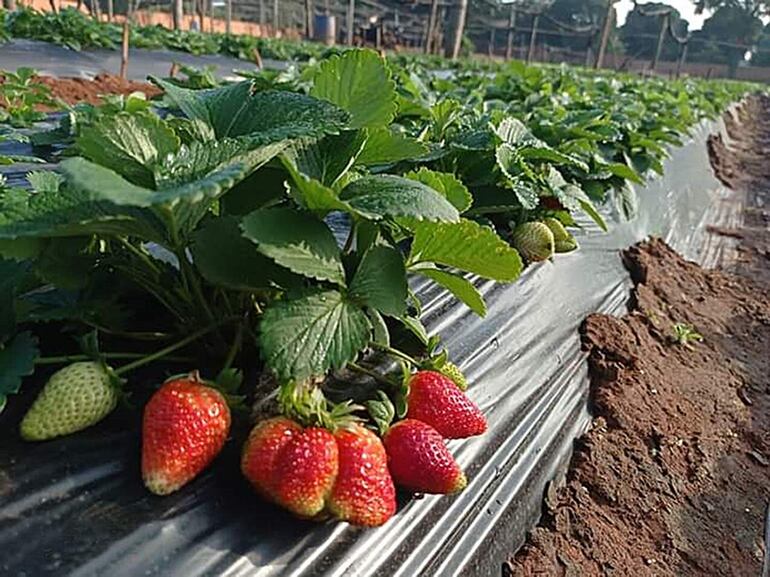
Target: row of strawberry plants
(278, 219)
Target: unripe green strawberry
(452, 371)
(419, 460)
(534, 241)
(563, 240)
(73, 399)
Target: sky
(686, 9)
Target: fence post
(229, 16)
(511, 28)
(177, 13)
(124, 50)
(491, 43)
(431, 26)
(455, 41)
(351, 19)
(533, 38)
(682, 58)
(661, 38)
(608, 18)
(308, 19)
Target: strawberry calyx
(306, 404)
(226, 383)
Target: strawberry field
(261, 272)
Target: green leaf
(72, 212)
(327, 159)
(623, 171)
(66, 263)
(305, 336)
(359, 82)
(313, 195)
(103, 184)
(225, 258)
(11, 276)
(45, 180)
(510, 162)
(195, 161)
(514, 132)
(459, 287)
(415, 326)
(447, 184)
(384, 146)
(390, 196)
(17, 360)
(380, 333)
(465, 245)
(380, 281)
(296, 240)
(265, 116)
(626, 201)
(572, 197)
(130, 144)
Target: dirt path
(674, 476)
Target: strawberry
(73, 399)
(436, 400)
(563, 240)
(452, 371)
(534, 240)
(363, 493)
(305, 471)
(260, 452)
(419, 460)
(185, 426)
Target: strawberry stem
(376, 376)
(169, 349)
(58, 360)
(395, 353)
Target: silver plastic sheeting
(77, 507)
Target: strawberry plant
(273, 225)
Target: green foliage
(21, 96)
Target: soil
(673, 477)
(75, 90)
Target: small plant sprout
(684, 334)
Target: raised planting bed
(312, 229)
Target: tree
(640, 32)
(755, 8)
(575, 15)
(762, 56)
(727, 36)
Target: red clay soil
(75, 90)
(673, 477)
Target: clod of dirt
(672, 479)
(75, 90)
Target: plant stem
(139, 336)
(59, 360)
(394, 352)
(169, 349)
(376, 376)
(236, 346)
(351, 236)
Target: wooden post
(276, 19)
(201, 14)
(533, 38)
(308, 19)
(351, 21)
(110, 10)
(682, 58)
(177, 13)
(491, 44)
(431, 26)
(661, 38)
(228, 16)
(511, 32)
(262, 18)
(124, 50)
(608, 21)
(455, 40)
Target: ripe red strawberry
(419, 459)
(261, 450)
(435, 399)
(185, 426)
(363, 493)
(305, 471)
